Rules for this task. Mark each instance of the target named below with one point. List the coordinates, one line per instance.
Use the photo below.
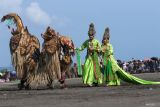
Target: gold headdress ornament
(91, 31)
(106, 34)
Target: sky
(134, 25)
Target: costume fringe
(47, 74)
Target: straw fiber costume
(49, 65)
(24, 48)
(33, 68)
(66, 53)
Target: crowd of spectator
(7, 76)
(148, 65)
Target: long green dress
(113, 73)
(91, 70)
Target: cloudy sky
(134, 25)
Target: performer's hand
(91, 49)
(98, 50)
(76, 49)
(104, 49)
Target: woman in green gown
(112, 72)
(91, 71)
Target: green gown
(113, 73)
(91, 69)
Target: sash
(79, 62)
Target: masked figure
(91, 70)
(24, 48)
(112, 72)
(66, 53)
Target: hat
(106, 34)
(91, 30)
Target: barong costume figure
(91, 71)
(112, 72)
(48, 71)
(24, 48)
(35, 69)
(55, 60)
(66, 54)
(50, 53)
